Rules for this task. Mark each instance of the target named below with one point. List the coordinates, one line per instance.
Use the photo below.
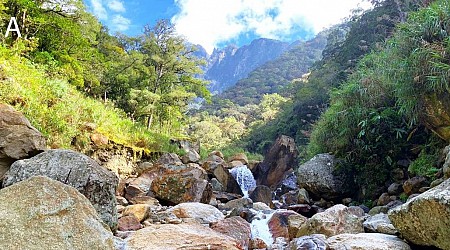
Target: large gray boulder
(379, 223)
(320, 177)
(40, 213)
(181, 236)
(425, 219)
(74, 169)
(18, 139)
(338, 219)
(366, 241)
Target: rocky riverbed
(61, 199)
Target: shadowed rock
(74, 169)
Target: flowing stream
(244, 178)
(260, 227)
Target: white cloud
(120, 23)
(109, 14)
(99, 10)
(116, 6)
(210, 22)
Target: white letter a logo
(16, 29)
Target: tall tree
(175, 69)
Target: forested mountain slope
(364, 33)
(272, 76)
(228, 65)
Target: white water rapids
(244, 178)
(259, 225)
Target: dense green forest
(378, 99)
(66, 70)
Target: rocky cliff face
(229, 65)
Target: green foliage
(420, 66)
(424, 165)
(372, 121)
(60, 112)
(346, 44)
(230, 151)
(403, 197)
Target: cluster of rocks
(61, 199)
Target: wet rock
(129, 223)
(18, 139)
(310, 242)
(285, 223)
(41, 213)
(180, 236)
(262, 194)
(225, 178)
(425, 219)
(235, 227)
(395, 189)
(336, 220)
(280, 158)
(74, 169)
(289, 182)
(413, 185)
(379, 223)
(320, 178)
(366, 241)
(203, 213)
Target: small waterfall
(244, 178)
(260, 227)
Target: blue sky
(216, 23)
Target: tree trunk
(150, 121)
